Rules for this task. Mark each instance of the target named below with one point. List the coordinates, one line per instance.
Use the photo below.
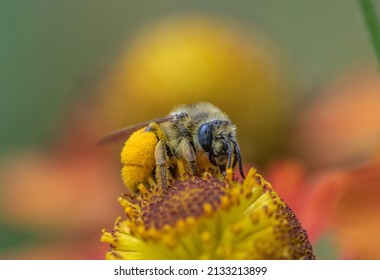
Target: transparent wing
(124, 133)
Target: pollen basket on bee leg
(137, 157)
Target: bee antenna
(238, 156)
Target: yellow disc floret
(209, 217)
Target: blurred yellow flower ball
(194, 58)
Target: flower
(332, 183)
(354, 221)
(339, 126)
(312, 197)
(208, 217)
(49, 197)
(340, 205)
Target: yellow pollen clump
(137, 157)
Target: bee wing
(124, 133)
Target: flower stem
(373, 25)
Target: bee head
(218, 140)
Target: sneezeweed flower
(208, 217)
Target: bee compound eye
(205, 136)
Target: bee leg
(161, 164)
(238, 158)
(189, 155)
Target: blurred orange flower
(334, 182)
(340, 126)
(343, 203)
(62, 194)
(304, 192)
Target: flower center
(184, 199)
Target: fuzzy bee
(189, 132)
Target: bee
(189, 132)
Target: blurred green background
(50, 50)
